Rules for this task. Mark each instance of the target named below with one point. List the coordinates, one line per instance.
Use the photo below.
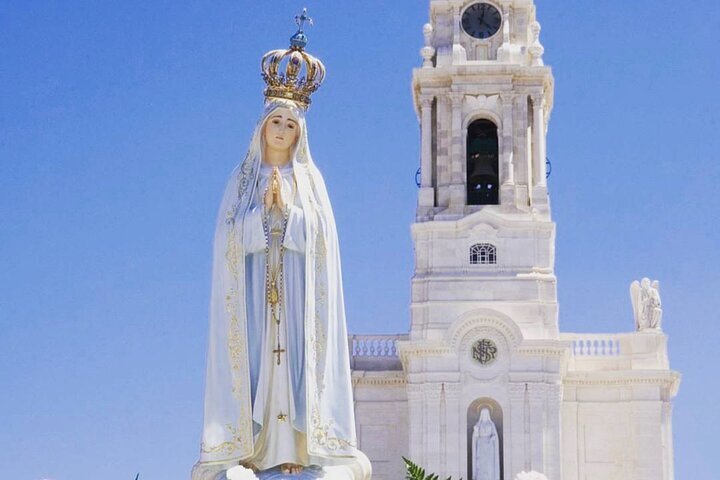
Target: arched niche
(473, 414)
(482, 163)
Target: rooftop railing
(375, 352)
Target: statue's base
(308, 473)
(360, 469)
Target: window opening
(483, 254)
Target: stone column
(508, 174)
(513, 430)
(459, 54)
(552, 431)
(503, 53)
(426, 196)
(538, 413)
(456, 24)
(433, 448)
(539, 151)
(455, 454)
(457, 156)
(570, 434)
(507, 169)
(668, 455)
(521, 157)
(416, 424)
(443, 163)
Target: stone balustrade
(596, 345)
(375, 352)
(619, 351)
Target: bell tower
(483, 95)
(484, 328)
(483, 233)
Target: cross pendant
(277, 352)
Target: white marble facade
(567, 406)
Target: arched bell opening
(483, 451)
(482, 163)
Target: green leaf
(415, 472)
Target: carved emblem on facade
(484, 351)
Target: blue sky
(120, 121)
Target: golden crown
(293, 74)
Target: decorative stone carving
(456, 98)
(647, 307)
(488, 103)
(484, 351)
(536, 49)
(481, 320)
(427, 52)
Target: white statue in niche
(485, 449)
(645, 296)
(278, 396)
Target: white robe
(278, 391)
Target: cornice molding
(386, 379)
(667, 378)
(421, 348)
(544, 348)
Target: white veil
(330, 426)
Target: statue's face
(281, 130)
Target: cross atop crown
(293, 74)
(299, 40)
(302, 18)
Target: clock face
(481, 20)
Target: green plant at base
(415, 472)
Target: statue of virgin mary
(485, 449)
(278, 393)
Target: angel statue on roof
(278, 395)
(647, 307)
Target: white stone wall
(616, 412)
(382, 421)
(520, 286)
(580, 408)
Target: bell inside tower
(482, 163)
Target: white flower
(530, 476)
(240, 473)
